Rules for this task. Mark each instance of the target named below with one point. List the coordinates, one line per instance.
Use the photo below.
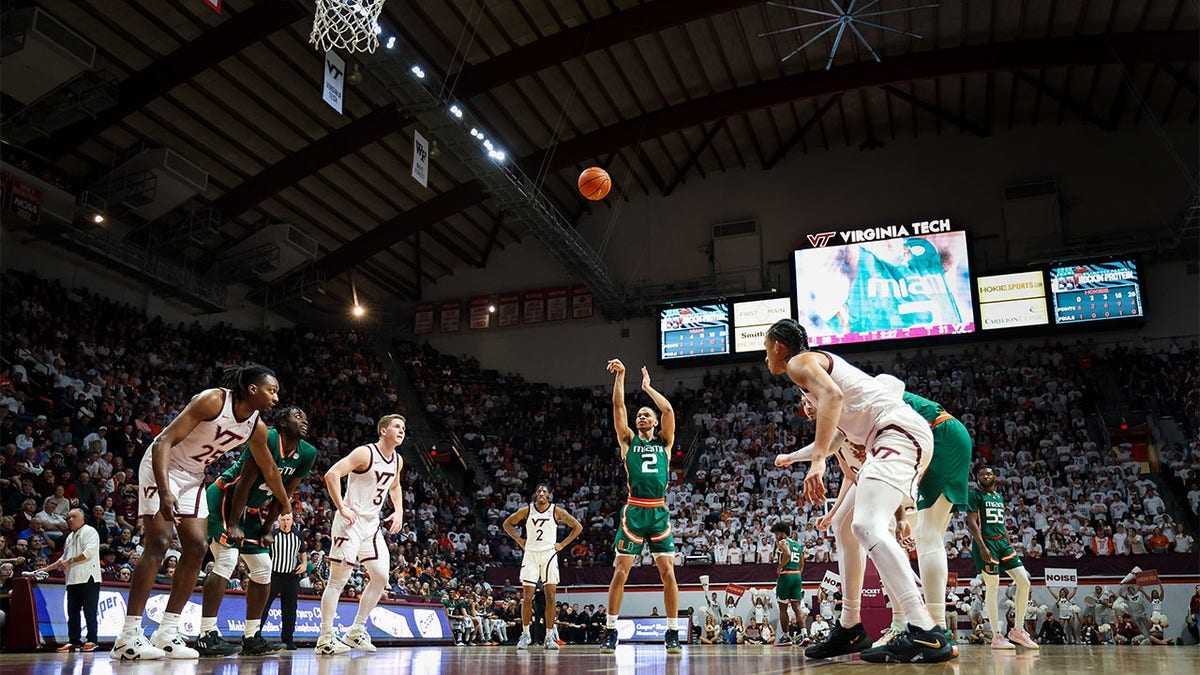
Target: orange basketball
(594, 183)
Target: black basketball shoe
(841, 641)
(672, 641)
(212, 644)
(258, 646)
(914, 645)
(610, 641)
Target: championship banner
(509, 310)
(1062, 576)
(534, 304)
(420, 163)
(335, 80)
(1147, 578)
(25, 199)
(480, 316)
(581, 302)
(734, 589)
(423, 318)
(451, 316)
(556, 304)
(832, 581)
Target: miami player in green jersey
(993, 552)
(238, 526)
(645, 520)
(789, 588)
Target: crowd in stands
(87, 383)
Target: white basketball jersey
(211, 439)
(541, 530)
(367, 490)
(866, 403)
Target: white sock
(672, 623)
(525, 629)
(207, 624)
(133, 625)
(170, 623)
(610, 621)
(851, 613)
(252, 627)
(359, 622)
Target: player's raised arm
(358, 460)
(666, 419)
(270, 470)
(204, 406)
(620, 414)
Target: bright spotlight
(492, 309)
(456, 111)
(97, 218)
(358, 310)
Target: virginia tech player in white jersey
(539, 563)
(171, 499)
(372, 474)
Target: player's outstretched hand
(615, 366)
(784, 459)
(824, 522)
(814, 484)
(645, 378)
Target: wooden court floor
(715, 660)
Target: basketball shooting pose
(171, 496)
(539, 563)
(238, 521)
(645, 520)
(372, 474)
(897, 446)
(993, 552)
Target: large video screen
(752, 318)
(1096, 291)
(1012, 300)
(693, 331)
(906, 286)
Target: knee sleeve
(224, 559)
(378, 572)
(259, 565)
(338, 576)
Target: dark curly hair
(790, 334)
(239, 378)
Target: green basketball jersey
(924, 407)
(796, 551)
(647, 466)
(990, 506)
(299, 463)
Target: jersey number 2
(650, 463)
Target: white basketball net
(352, 25)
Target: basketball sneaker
(610, 641)
(68, 647)
(358, 638)
(998, 642)
(524, 641)
(329, 644)
(888, 635)
(551, 643)
(1018, 636)
(671, 640)
(212, 644)
(88, 647)
(173, 645)
(135, 647)
(258, 646)
(914, 645)
(784, 640)
(841, 641)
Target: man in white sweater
(81, 559)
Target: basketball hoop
(352, 25)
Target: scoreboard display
(693, 331)
(1097, 291)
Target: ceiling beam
(804, 129)
(309, 160)
(1064, 100)
(591, 36)
(1153, 47)
(181, 65)
(1175, 46)
(957, 120)
(694, 156)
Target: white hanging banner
(420, 162)
(335, 79)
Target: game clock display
(1096, 292)
(689, 332)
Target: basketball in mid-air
(594, 183)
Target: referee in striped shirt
(288, 564)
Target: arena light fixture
(98, 218)
(456, 111)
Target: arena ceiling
(660, 92)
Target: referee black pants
(286, 587)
